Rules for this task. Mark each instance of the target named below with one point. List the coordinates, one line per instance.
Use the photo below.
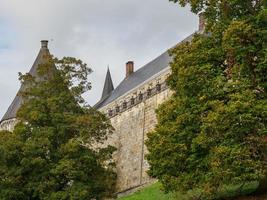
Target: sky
(101, 33)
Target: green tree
(51, 154)
(212, 132)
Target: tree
(51, 153)
(212, 132)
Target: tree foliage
(50, 154)
(212, 132)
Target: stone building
(131, 109)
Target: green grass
(153, 192)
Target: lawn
(153, 192)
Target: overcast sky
(100, 32)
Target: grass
(153, 192)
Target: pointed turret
(108, 86)
(107, 90)
(42, 57)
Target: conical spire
(42, 57)
(108, 86)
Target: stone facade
(8, 125)
(133, 116)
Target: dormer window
(110, 112)
(132, 101)
(140, 97)
(124, 105)
(158, 87)
(148, 92)
(117, 109)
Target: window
(148, 92)
(124, 105)
(117, 109)
(140, 96)
(158, 87)
(110, 112)
(132, 101)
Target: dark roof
(139, 77)
(15, 105)
(108, 86)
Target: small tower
(107, 90)
(9, 119)
(108, 86)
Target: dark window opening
(117, 109)
(140, 96)
(132, 101)
(124, 105)
(158, 86)
(148, 92)
(110, 113)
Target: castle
(131, 109)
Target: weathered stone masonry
(133, 116)
(8, 124)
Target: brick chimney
(44, 44)
(129, 68)
(202, 23)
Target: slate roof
(16, 103)
(108, 86)
(138, 77)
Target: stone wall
(132, 123)
(8, 125)
(131, 128)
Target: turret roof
(108, 86)
(16, 103)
